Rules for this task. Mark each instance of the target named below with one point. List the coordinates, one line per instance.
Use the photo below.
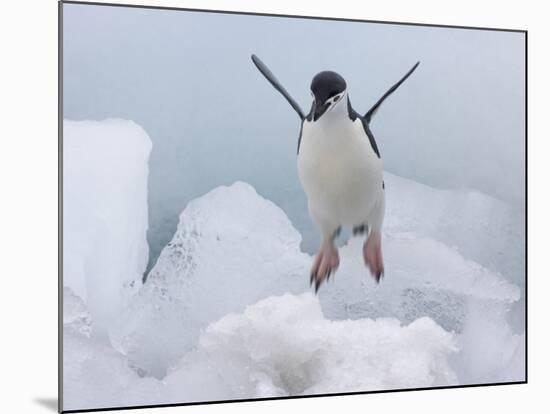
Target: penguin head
(329, 90)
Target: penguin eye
(336, 98)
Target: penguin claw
(320, 279)
(377, 276)
(372, 254)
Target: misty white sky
(187, 78)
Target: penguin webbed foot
(325, 264)
(372, 253)
(319, 280)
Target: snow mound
(481, 228)
(95, 376)
(231, 249)
(104, 213)
(279, 346)
(423, 277)
(285, 346)
(223, 315)
(75, 313)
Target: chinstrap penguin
(340, 169)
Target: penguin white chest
(339, 171)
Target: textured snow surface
(280, 346)
(75, 313)
(481, 228)
(96, 376)
(233, 247)
(105, 169)
(227, 311)
(285, 346)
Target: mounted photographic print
(259, 206)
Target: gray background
(187, 78)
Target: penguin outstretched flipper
(370, 113)
(277, 85)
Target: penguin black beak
(319, 109)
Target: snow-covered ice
(75, 313)
(280, 346)
(96, 376)
(283, 345)
(105, 169)
(233, 247)
(481, 228)
(227, 311)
